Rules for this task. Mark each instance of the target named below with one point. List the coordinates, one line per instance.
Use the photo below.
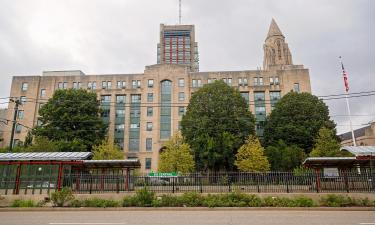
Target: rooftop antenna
(179, 12)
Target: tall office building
(177, 46)
(144, 109)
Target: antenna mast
(179, 12)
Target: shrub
(304, 202)
(23, 203)
(190, 199)
(168, 201)
(278, 202)
(143, 197)
(103, 203)
(337, 201)
(75, 203)
(62, 197)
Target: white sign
(331, 172)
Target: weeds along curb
(70, 209)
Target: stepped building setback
(143, 110)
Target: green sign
(157, 174)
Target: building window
(43, 93)
(60, 85)
(120, 142)
(271, 81)
(181, 82)
(21, 114)
(258, 81)
(150, 111)
(120, 113)
(148, 144)
(106, 84)
(24, 86)
(105, 99)
(120, 99)
(242, 81)
(149, 126)
(165, 109)
(147, 163)
(91, 85)
(274, 97)
(150, 97)
(197, 83)
(65, 85)
(18, 128)
(75, 85)
(121, 84)
(150, 83)
(228, 81)
(276, 81)
(181, 110)
(296, 87)
(259, 96)
(23, 100)
(136, 84)
(181, 96)
(119, 128)
(245, 95)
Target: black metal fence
(286, 182)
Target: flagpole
(350, 118)
(347, 101)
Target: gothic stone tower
(276, 50)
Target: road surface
(175, 217)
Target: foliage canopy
(216, 124)
(250, 157)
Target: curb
(69, 209)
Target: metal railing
(268, 182)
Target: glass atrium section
(135, 117)
(165, 110)
(260, 112)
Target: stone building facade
(143, 110)
(364, 136)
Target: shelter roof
(45, 156)
(360, 150)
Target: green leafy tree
(326, 144)
(28, 139)
(250, 157)
(176, 156)
(106, 151)
(216, 124)
(71, 119)
(296, 119)
(283, 157)
(42, 144)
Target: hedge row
(146, 198)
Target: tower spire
(274, 29)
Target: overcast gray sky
(113, 36)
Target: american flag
(345, 78)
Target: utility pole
(17, 102)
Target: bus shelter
(43, 172)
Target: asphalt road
(175, 217)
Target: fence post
(317, 179)
(346, 181)
(287, 183)
(18, 179)
(200, 183)
(59, 177)
(172, 184)
(127, 180)
(229, 184)
(257, 180)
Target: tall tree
(216, 124)
(250, 157)
(106, 151)
(71, 118)
(326, 144)
(283, 157)
(296, 119)
(176, 156)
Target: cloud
(114, 36)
